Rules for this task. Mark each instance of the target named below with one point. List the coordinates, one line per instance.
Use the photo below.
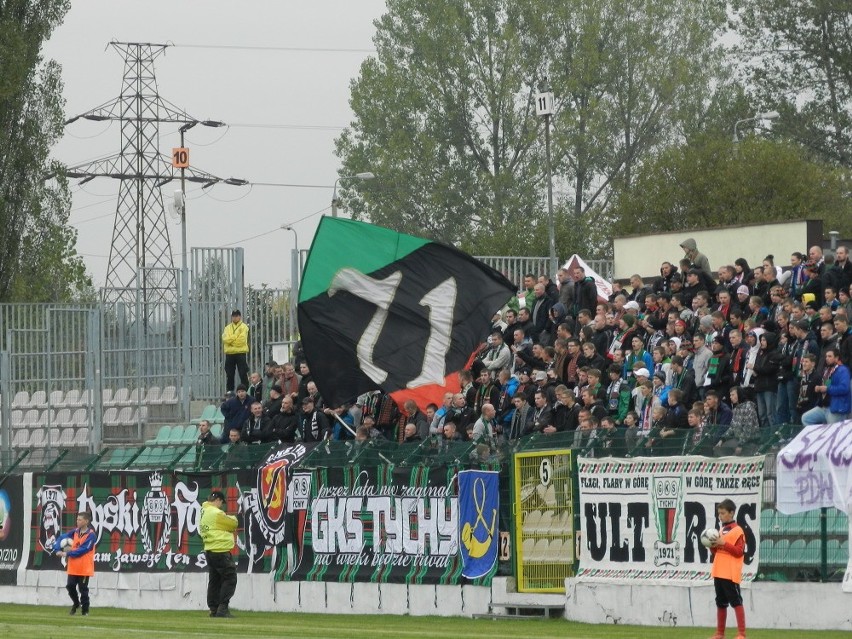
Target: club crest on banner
(479, 504)
(156, 518)
(667, 495)
(51, 501)
(267, 501)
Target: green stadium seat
(177, 434)
(839, 523)
(795, 554)
(162, 436)
(218, 418)
(767, 520)
(779, 524)
(188, 459)
(812, 555)
(115, 459)
(833, 552)
(209, 413)
(843, 552)
(190, 434)
(767, 547)
(779, 552)
(216, 430)
(145, 458)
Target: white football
(65, 544)
(709, 536)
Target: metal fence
(88, 373)
(514, 268)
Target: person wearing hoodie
(698, 259)
(663, 284)
(752, 339)
(802, 341)
(217, 533)
(765, 369)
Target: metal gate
(545, 535)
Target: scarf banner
(641, 519)
(385, 524)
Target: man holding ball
(78, 546)
(727, 571)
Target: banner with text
(12, 521)
(641, 519)
(815, 471)
(382, 524)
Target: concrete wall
(188, 591)
(643, 254)
(768, 605)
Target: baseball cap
(526, 370)
(632, 305)
(660, 375)
(642, 372)
(742, 289)
(216, 494)
(540, 376)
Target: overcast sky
(303, 94)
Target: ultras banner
(381, 524)
(641, 519)
(12, 522)
(148, 521)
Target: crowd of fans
(741, 350)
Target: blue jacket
(90, 537)
(838, 391)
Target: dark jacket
(767, 364)
(235, 413)
(284, 427)
(585, 296)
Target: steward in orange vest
(81, 561)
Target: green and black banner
(383, 310)
(148, 521)
(382, 524)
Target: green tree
(714, 182)
(38, 261)
(799, 61)
(444, 116)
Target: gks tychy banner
(382, 310)
(641, 519)
(393, 525)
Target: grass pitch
(51, 622)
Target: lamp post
(180, 158)
(544, 108)
(366, 175)
(769, 115)
(295, 278)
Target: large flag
(383, 310)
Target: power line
(305, 127)
(238, 47)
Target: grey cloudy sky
(305, 93)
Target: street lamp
(296, 272)
(544, 108)
(181, 158)
(366, 175)
(769, 115)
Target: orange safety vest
(725, 565)
(83, 566)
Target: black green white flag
(383, 310)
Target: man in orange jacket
(728, 557)
(80, 554)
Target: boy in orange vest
(727, 571)
(81, 561)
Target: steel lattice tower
(140, 254)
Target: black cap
(241, 387)
(276, 388)
(216, 494)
